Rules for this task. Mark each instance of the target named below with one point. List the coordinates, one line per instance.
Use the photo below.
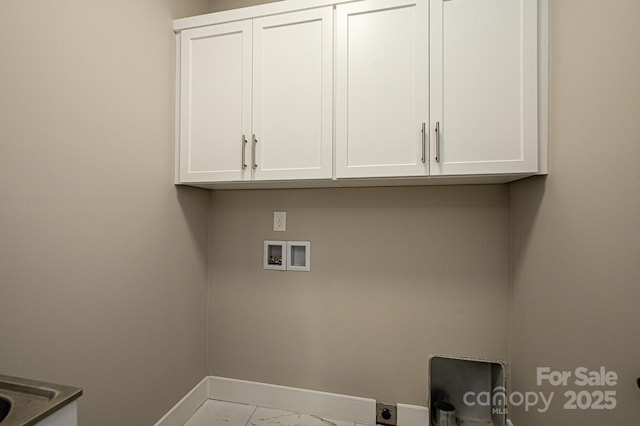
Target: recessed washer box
(275, 255)
(299, 256)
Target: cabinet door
(215, 103)
(293, 95)
(484, 87)
(382, 92)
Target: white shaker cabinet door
(483, 87)
(382, 92)
(215, 103)
(293, 95)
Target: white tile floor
(220, 413)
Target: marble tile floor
(221, 413)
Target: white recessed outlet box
(299, 256)
(287, 255)
(275, 255)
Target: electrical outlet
(280, 221)
(386, 414)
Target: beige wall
(102, 259)
(576, 234)
(396, 274)
(103, 263)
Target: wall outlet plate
(279, 221)
(386, 414)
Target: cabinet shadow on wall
(525, 201)
(194, 204)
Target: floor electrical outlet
(386, 414)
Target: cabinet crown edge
(251, 12)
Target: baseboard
(188, 405)
(324, 404)
(412, 415)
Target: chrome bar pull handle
(424, 143)
(437, 141)
(253, 151)
(244, 144)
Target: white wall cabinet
(257, 99)
(293, 95)
(215, 102)
(425, 91)
(484, 87)
(382, 80)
